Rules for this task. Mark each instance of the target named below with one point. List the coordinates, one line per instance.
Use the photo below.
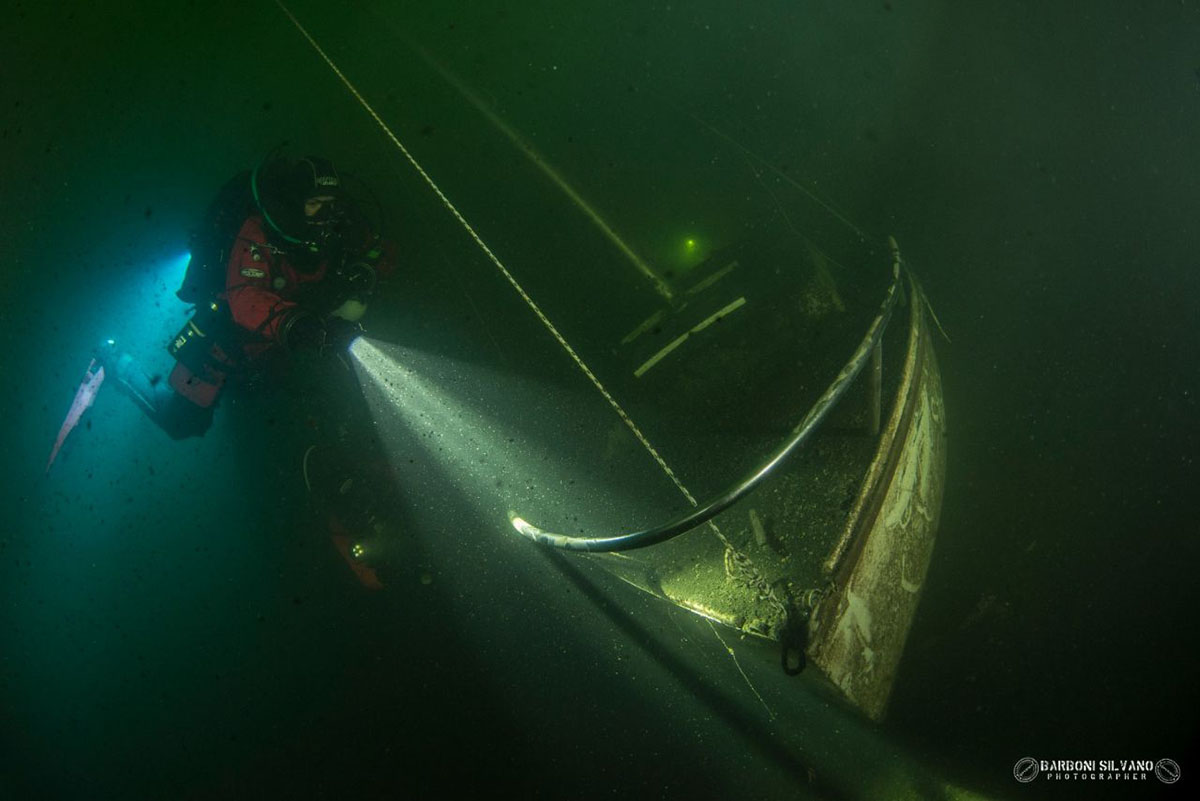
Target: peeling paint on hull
(878, 568)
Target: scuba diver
(283, 263)
(297, 274)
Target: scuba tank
(203, 345)
(198, 345)
(213, 238)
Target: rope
(487, 251)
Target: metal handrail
(703, 513)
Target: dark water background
(168, 622)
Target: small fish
(760, 532)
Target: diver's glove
(301, 329)
(352, 309)
(340, 333)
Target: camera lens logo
(1026, 770)
(1167, 771)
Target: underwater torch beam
(702, 514)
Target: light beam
(500, 442)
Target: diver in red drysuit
(299, 272)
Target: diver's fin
(366, 575)
(85, 396)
